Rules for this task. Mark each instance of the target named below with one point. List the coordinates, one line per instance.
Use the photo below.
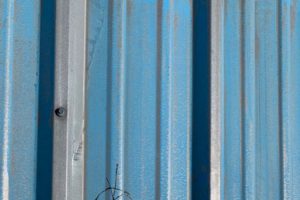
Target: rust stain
(257, 46)
(159, 13)
(225, 6)
(176, 22)
(120, 30)
(129, 7)
(3, 23)
(293, 16)
(120, 43)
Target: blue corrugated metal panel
(19, 73)
(139, 98)
(255, 90)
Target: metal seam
(215, 128)
(7, 101)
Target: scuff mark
(293, 17)
(78, 152)
(129, 7)
(95, 35)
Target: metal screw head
(60, 112)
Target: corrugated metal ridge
(142, 52)
(216, 95)
(70, 79)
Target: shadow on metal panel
(46, 96)
(201, 100)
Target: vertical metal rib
(249, 96)
(5, 128)
(69, 128)
(216, 61)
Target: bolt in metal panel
(254, 141)
(19, 82)
(139, 98)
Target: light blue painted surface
(19, 73)
(290, 48)
(259, 99)
(139, 97)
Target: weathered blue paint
(290, 96)
(19, 84)
(258, 114)
(139, 97)
(139, 87)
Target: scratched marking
(78, 151)
(95, 28)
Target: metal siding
(143, 84)
(255, 47)
(19, 83)
(139, 98)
